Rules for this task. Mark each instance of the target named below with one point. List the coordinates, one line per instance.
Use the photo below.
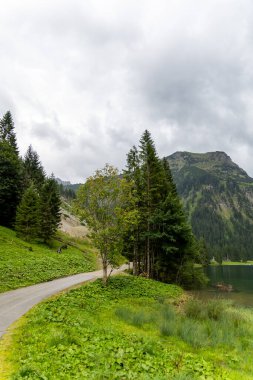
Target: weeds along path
(15, 303)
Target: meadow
(24, 263)
(134, 328)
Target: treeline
(139, 215)
(66, 192)
(162, 246)
(220, 211)
(29, 200)
(226, 238)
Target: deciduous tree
(107, 204)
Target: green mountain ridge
(218, 197)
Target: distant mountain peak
(61, 182)
(217, 163)
(218, 197)
(218, 155)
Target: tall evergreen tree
(132, 173)
(152, 189)
(27, 218)
(166, 246)
(33, 169)
(50, 213)
(175, 239)
(10, 183)
(7, 131)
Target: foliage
(7, 133)
(10, 183)
(50, 215)
(38, 214)
(119, 333)
(24, 189)
(106, 203)
(27, 218)
(33, 169)
(24, 264)
(162, 245)
(67, 193)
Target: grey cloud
(85, 78)
(48, 132)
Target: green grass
(23, 263)
(133, 329)
(250, 262)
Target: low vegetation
(132, 329)
(24, 264)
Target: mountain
(218, 198)
(61, 182)
(67, 189)
(67, 185)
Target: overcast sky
(83, 79)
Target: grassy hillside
(23, 264)
(133, 329)
(218, 197)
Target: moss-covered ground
(23, 263)
(133, 329)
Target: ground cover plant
(132, 329)
(23, 263)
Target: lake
(239, 276)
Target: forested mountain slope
(218, 197)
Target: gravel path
(15, 303)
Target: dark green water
(239, 276)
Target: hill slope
(218, 197)
(24, 264)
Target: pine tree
(152, 175)
(132, 173)
(50, 213)
(165, 244)
(33, 169)
(203, 252)
(10, 183)
(178, 250)
(170, 186)
(10, 172)
(7, 131)
(27, 218)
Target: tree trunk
(148, 252)
(105, 275)
(135, 261)
(148, 225)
